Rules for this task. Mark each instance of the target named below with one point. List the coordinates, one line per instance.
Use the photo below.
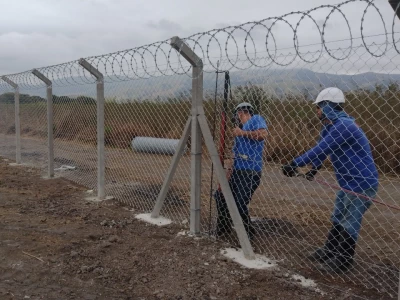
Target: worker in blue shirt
(350, 154)
(245, 174)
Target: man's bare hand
(228, 163)
(229, 173)
(237, 131)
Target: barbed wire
(228, 43)
(249, 46)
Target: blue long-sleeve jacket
(350, 154)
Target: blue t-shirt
(248, 152)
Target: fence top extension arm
(41, 77)
(10, 82)
(92, 70)
(186, 52)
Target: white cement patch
(50, 178)
(307, 283)
(182, 233)
(304, 282)
(65, 168)
(261, 262)
(160, 221)
(96, 199)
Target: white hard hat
(244, 105)
(331, 94)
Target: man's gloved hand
(289, 170)
(310, 174)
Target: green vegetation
(8, 98)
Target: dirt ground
(304, 207)
(56, 245)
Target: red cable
(354, 193)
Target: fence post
(50, 142)
(17, 119)
(196, 153)
(396, 7)
(200, 127)
(100, 127)
(197, 101)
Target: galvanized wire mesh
(272, 66)
(135, 167)
(292, 216)
(75, 154)
(7, 124)
(33, 121)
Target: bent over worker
(245, 173)
(350, 153)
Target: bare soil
(56, 245)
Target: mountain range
(277, 82)
(274, 81)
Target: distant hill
(273, 81)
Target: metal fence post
(100, 127)
(396, 7)
(50, 146)
(200, 127)
(17, 120)
(196, 153)
(197, 101)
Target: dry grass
(293, 126)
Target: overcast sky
(37, 33)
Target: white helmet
(244, 105)
(331, 94)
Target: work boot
(343, 261)
(328, 251)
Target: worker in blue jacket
(350, 154)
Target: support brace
(199, 127)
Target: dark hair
(245, 109)
(339, 106)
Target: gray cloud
(165, 25)
(44, 32)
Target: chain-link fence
(7, 121)
(278, 66)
